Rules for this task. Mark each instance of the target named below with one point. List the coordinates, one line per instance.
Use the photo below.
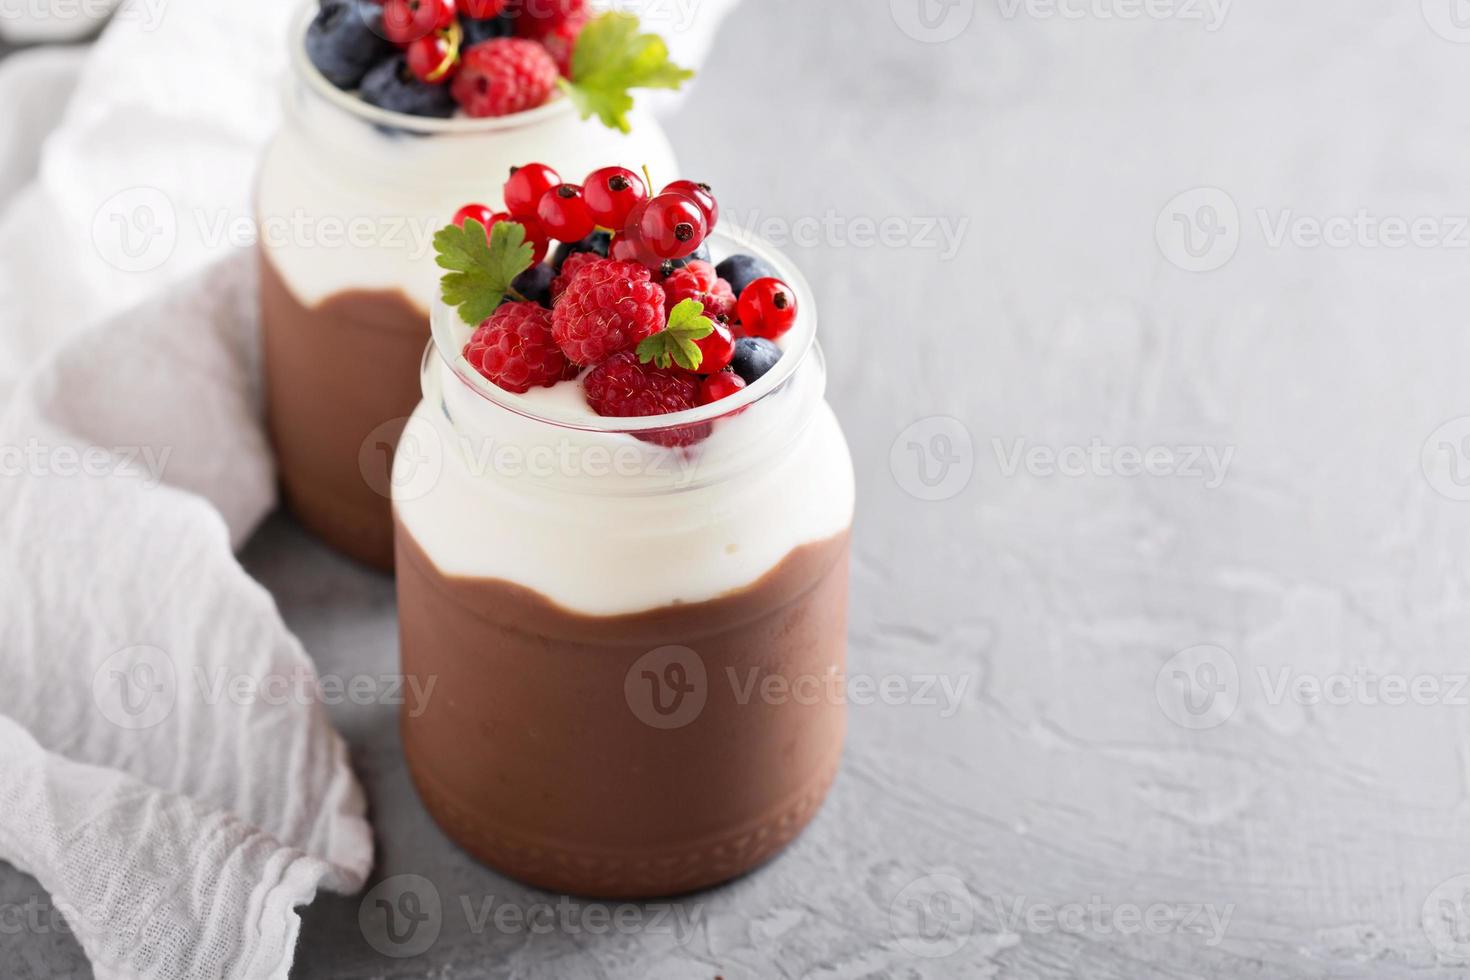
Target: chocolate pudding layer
(625, 756)
(341, 379)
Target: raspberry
(569, 269)
(607, 307)
(515, 351)
(623, 388)
(538, 18)
(698, 281)
(503, 76)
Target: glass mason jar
(637, 652)
(348, 200)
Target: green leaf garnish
(676, 343)
(481, 266)
(610, 58)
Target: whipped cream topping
(347, 202)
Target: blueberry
(700, 254)
(534, 284)
(598, 241)
(487, 28)
(742, 270)
(390, 85)
(754, 356)
(345, 40)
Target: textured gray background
(1071, 776)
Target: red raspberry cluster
(497, 56)
(625, 262)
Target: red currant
(611, 193)
(526, 186)
(673, 226)
(479, 212)
(406, 21)
(701, 195)
(564, 215)
(767, 308)
(536, 235)
(718, 349)
(432, 59)
(481, 9)
(719, 386)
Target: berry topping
(697, 281)
(534, 284)
(611, 193)
(504, 76)
(701, 195)
(717, 350)
(718, 386)
(390, 85)
(742, 270)
(345, 39)
(561, 42)
(629, 245)
(701, 254)
(598, 243)
(607, 307)
(574, 264)
(481, 213)
(563, 213)
(672, 226)
(525, 187)
(678, 343)
(767, 308)
(623, 388)
(536, 235)
(481, 9)
(405, 21)
(537, 17)
(754, 356)
(514, 349)
(481, 266)
(433, 58)
(477, 31)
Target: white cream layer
(343, 205)
(605, 524)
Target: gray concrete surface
(1211, 716)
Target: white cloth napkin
(165, 772)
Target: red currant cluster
(627, 265)
(496, 60)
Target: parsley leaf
(676, 344)
(481, 266)
(610, 58)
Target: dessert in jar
(395, 114)
(622, 514)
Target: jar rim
(797, 347)
(352, 104)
